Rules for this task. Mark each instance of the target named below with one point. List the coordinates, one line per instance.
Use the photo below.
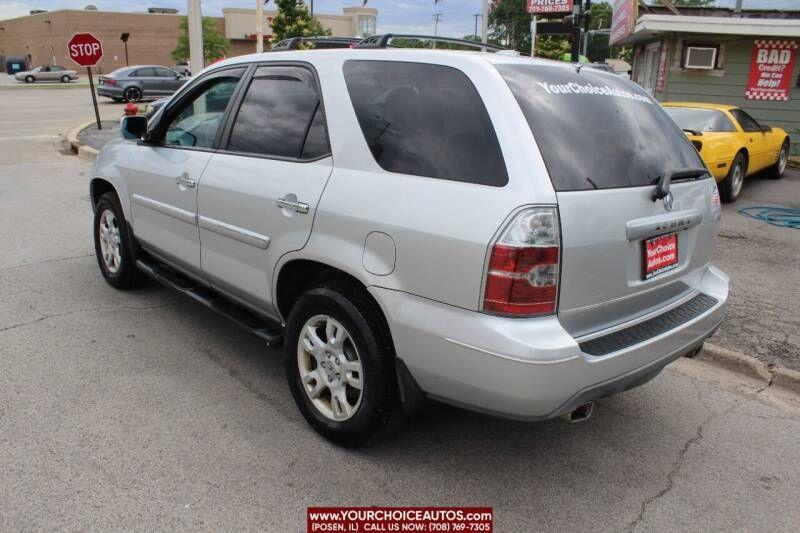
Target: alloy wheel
(737, 179)
(133, 94)
(110, 241)
(782, 159)
(330, 368)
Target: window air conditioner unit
(701, 57)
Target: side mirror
(133, 127)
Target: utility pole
(195, 18)
(576, 30)
(485, 22)
(436, 17)
(259, 26)
(476, 16)
(312, 8)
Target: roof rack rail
(293, 43)
(383, 41)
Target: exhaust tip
(581, 413)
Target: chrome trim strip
(234, 232)
(166, 209)
(510, 358)
(651, 226)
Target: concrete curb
(787, 379)
(72, 137)
(745, 364)
(87, 153)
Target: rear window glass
(425, 120)
(693, 119)
(597, 130)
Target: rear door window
(597, 130)
(281, 116)
(426, 120)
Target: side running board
(268, 331)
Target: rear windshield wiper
(663, 182)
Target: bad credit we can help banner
(771, 70)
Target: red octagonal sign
(85, 49)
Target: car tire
(351, 347)
(29, 79)
(65, 79)
(132, 94)
(114, 245)
(779, 168)
(731, 187)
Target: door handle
(186, 181)
(290, 203)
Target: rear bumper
(529, 369)
(109, 91)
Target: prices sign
(538, 7)
(771, 69)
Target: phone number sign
(771, 69)
(549, 6)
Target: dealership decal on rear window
(589, 88)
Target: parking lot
(145, 411)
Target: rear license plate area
(660, 254)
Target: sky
(398, 16)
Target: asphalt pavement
(144, 411)
(763, 317)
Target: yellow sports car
(732, 144)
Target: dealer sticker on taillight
(660, 254)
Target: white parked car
(47, 73)
(515, 236)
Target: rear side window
(146, 72)
(425, 120)
(747, 122)
(281, 116)
(597, 130)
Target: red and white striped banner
(771, 68)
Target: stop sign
(85, 49)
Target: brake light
(522, 277)
(109, 81)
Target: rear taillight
(522, 276)
(109, 81)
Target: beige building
(42, 38)
(240, 25)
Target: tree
(552, 46)
(294, 20)
(215, 45)
(510, 24)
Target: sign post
(545, 7)
(86, 50)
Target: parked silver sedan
(47, 73)
(141, 82)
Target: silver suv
(513, 236)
